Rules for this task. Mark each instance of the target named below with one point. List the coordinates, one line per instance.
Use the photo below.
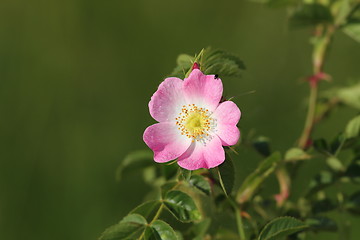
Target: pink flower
(193, 124)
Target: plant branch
(321, 44)
(238, 217)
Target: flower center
(195, 122)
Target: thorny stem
(320, 49)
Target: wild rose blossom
(193, 123)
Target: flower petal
(203, 90)
(166, 141)
(227, 115)
(167, 101)
(203, 156)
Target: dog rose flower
(193, 123)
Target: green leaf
(169, 170)
(135, 160)
(168, 187)
(341, 10)
(226, 172)
(353, 31)
(182, 206)
(147, 209)
(254, 180)
(335, 164)
(185, 174)
(200, 183)
(337, 143)
(212, 61)
(160, 230)
(296, 154)
(349, 95)
(131, 227)
(353, 203)
(352, 128)
(354, 16)
(321, 223)
(310, 15)
(262, 145)
(281, 227)
(215, 61)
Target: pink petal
(167, 101)
(203, 156)
(203, 90)
(166, 141)
(227, 115)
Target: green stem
(239, 222)
(157, 215)
(309, 123)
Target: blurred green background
(75, 80)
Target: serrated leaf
(321, 223)
(226, 173)
(219, 62)
(262, 145)
(254, 180)
(135, 160)
(131, 227)
(353, 128)
(281, 227)
(200, 183)
(353, 31)
(147, 209)
(211, 61)
(160, 230)
(310, 15)
(296, 154)
(182, 206)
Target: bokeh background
(75, 80)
